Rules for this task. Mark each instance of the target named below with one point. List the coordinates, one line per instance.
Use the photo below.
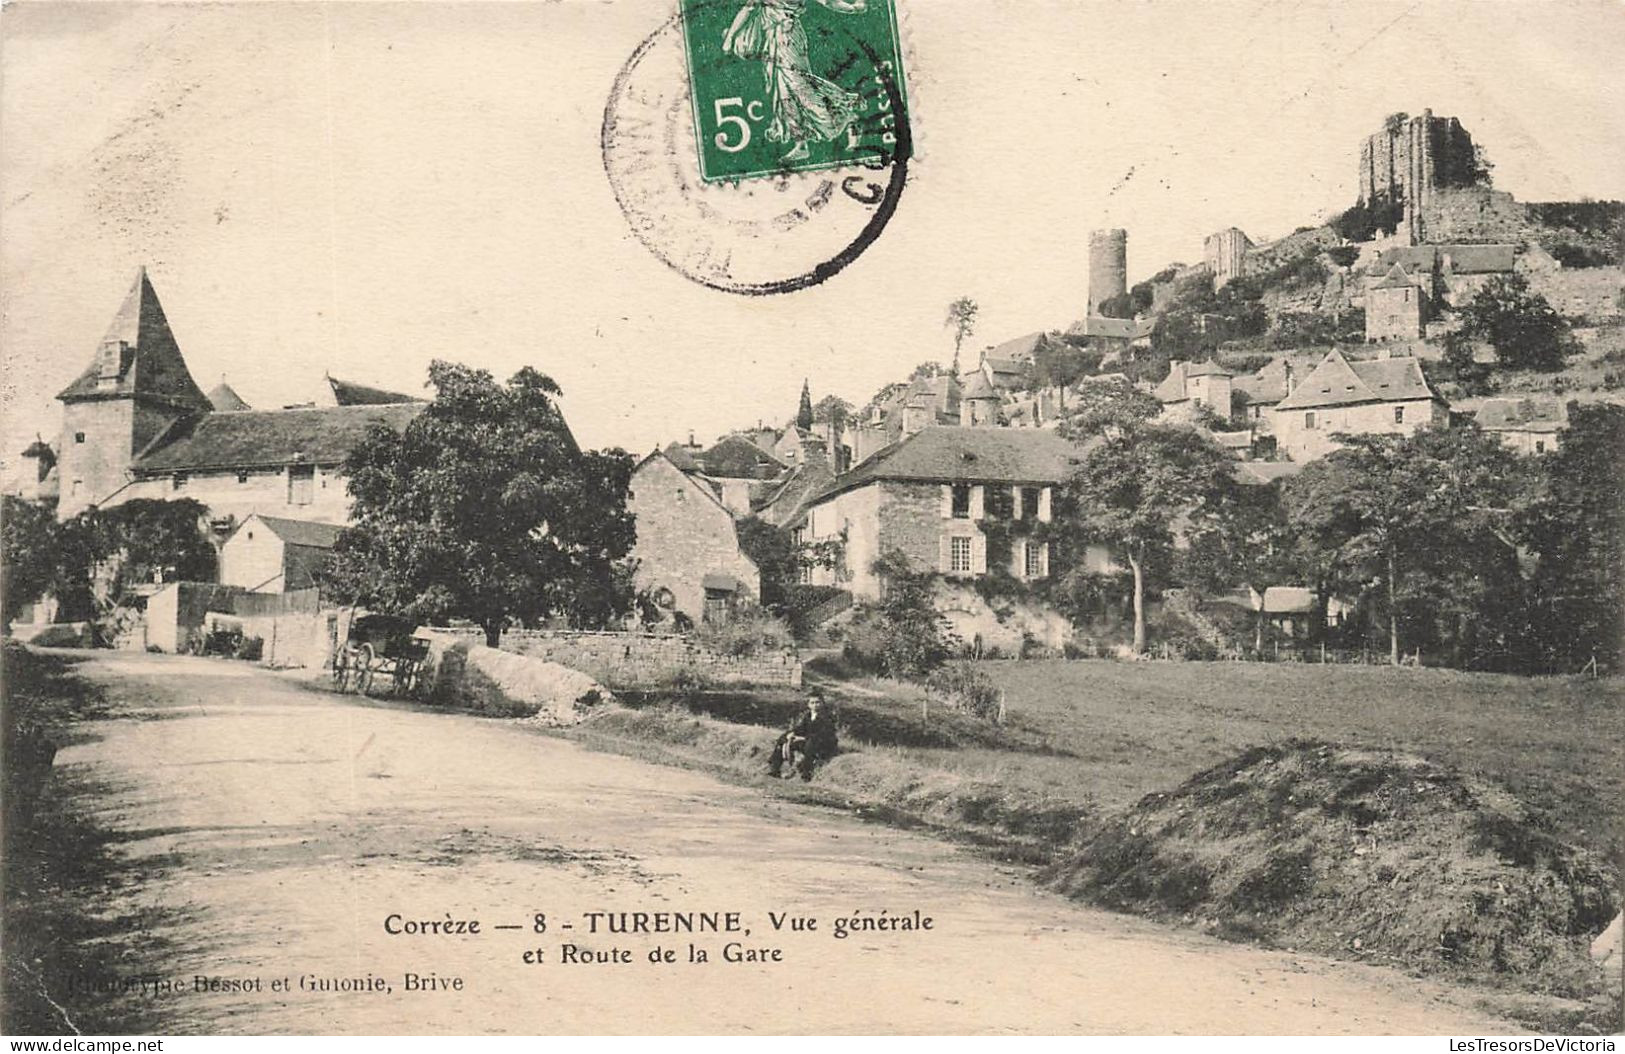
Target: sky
(357, 189)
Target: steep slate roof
(1268, 385)
(151, 365)
(264, 438)
(348, 393)
(1339, 382)
(682, 457)
(1396, 278)
(225, 400)
(1463, 259)
(952, 454)
(738, 457)
(1021, 349)
(1528, 414)
(297, 532)
(978, 387)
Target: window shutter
(1043, 560)
(943, 555)
(978, 554)
(947, 501)
(1043, 505)
(1015, 500)
(1018, 557)
(976, 502)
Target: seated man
(811, 735)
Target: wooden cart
(380, 647)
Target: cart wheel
(363, 669)
(341, 668)
(406, 679)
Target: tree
(1061, 364)
(1105, 408)
(962, 321)
(485, 508)
(28, 562)
(904, 635)
(804, 412)
(773, 550)
(832, 409)
(1246, 542)
(1412, 517)
(927, 370)
(1520, 324)
(1575, 525)
(1133, 486)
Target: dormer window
(111, 359)
(178, 481)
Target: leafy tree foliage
(1059, 363)
(904, 635)
(1575, 524)
(1135, 483)
(1520, 324)
(31, 546)
(961, 321)
(804, 412)
(485, 508)
(927, 370)
(90, 562)
(1247, 542)
(1108, 407)
(772, 549)
(1415, 525)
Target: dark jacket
(819, 732)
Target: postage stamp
(793, 85)
(767, 228)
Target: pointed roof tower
(139, 358)
(224, 398)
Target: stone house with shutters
(136, 425)
(687, 549)
(933, 496)
(1386, 395)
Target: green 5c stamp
(794, 85)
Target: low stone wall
(463, 673)
(648, 660)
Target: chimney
(691, 443)
(1286, 365)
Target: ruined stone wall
(1273, 254)
(1405, 160)
(1583, 292)
(649, 660)
(1473, 216)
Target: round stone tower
(1108, 266)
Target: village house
(1529, 425)
(1258, 393)
(136, 425)
(687, 550)
(1396, 306)
(1195, 384)
(933, 495)
(1386, 395)
(268, 554)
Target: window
(961, 504)
(1035, 560)
(1399, 415)
(1030, 498)
(959, 558)
(1540, 446)
(78, 437)
(1001, 503)
(1309, 420)
(301, 484)
(178, 481)
(242, 477)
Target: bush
(962, 686)
(1520, 324)
(1343, 255)
(1361, 223)
(749, 630)
(904, 636)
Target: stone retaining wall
(648, 660)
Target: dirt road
(279, 830)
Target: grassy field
(1130, 729)
(1085, 741)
